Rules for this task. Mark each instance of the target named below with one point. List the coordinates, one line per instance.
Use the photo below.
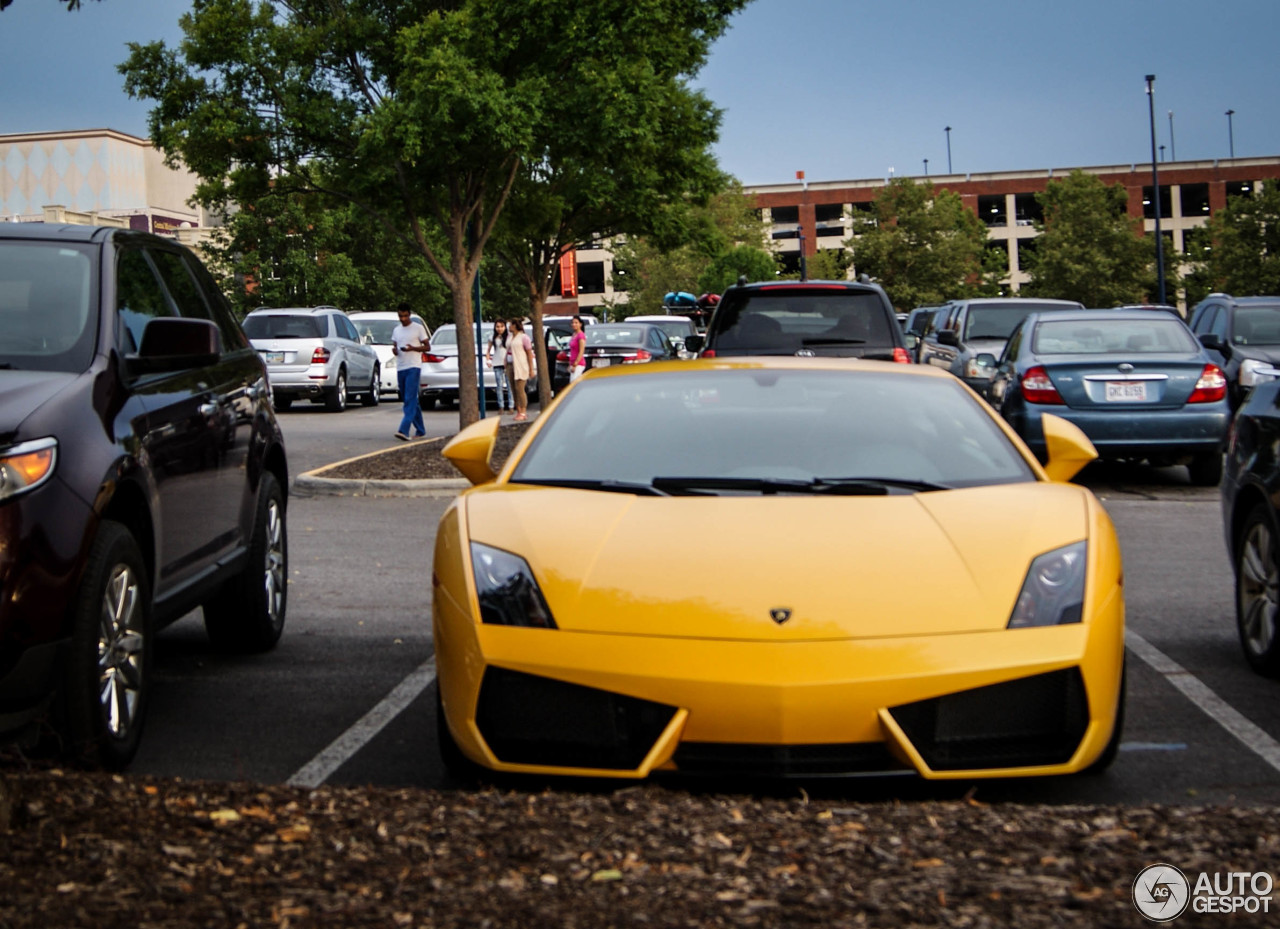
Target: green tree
(1245, 253)
(723, 240)
(421, 113)
(925, 247)
(1089, 248)
(826, 264)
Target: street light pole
(1173, 149)
(1155, 186)
(926, 167)
(1162, 153)
(1231, 136)
(948, 132)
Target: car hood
(977, 346)
(24, 392)
(1267, 353)
(716, 567)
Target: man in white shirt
(408, 341)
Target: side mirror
(1067, 447)
(948, 337)
(694, 343)
(172, 343)
(1213, 341)
(471, 449)
(912, 341)
(985, 360)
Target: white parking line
(1221, 712)
(316, 771)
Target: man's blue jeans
(408, 380)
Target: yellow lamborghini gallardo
(778, 567)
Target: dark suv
(828, 318)
(142, 474)
(1242, 335)
(968, 337)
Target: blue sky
(841, 89)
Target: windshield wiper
(833, 341)
(619, 487)
(835, 486)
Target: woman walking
(523, 366)
(498, 347)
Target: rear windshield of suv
(997, 321)
(283, 326)
(771, 320)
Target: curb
(314, 482)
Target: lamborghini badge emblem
(780, 615)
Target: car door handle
(208, 409)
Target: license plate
(1126, 391)
(601, 362)
(274, 358)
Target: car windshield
(782, 320)
(1256, 325)
(996, 321)
(283, 326)
(1105, 336)
(446, 337)
(376, 331)
(771, 430)
(675, 328)
(46, 292)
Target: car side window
(1205, 319)
(140, 298)
(1219, 324)
(1011, 347)
(183, 288)
(223, 315)
(346, 329)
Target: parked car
(677, 328)
(314, 353)
(812, 490)
(440, 371)
(971, 328)
(626, 343)
(833, 318)
(1243, 338)
(374, 327)
(1250, 487)
(142, 474)
(917, 324)
(1137, 383)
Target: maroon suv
(142, 474)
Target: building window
(1195, 199)
(1240, 188)
(997, 256)
(991, 210)
(1197, 243)
(828, 212)
(1027, 254)
(787, 233)
(789, 263)
(591, 277)
(785, 214)
(1166, 203)
(1027, 209)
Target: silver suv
(314, 352)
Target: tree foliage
(1089, 248)
(1244, 257)
(421, 113)
(925, 246)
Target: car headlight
(1254, 372)
(508, 593)
(25, 467)
(1053, 593)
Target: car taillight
(1037, 388)
(320, 356)
(433, 359)
(901, 357)
(708, 353)
(562, 356)
(639, 356)
(1211, 387)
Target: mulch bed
(100, 850)
(420, 459)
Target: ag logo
(780, 615)
(1161, 892)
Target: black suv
(1242, 335)
(828, 318)
(142, 474)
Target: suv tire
(107, 675)
(247, 614)
(335, 397)
(374, 394)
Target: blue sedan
(1138, 384)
